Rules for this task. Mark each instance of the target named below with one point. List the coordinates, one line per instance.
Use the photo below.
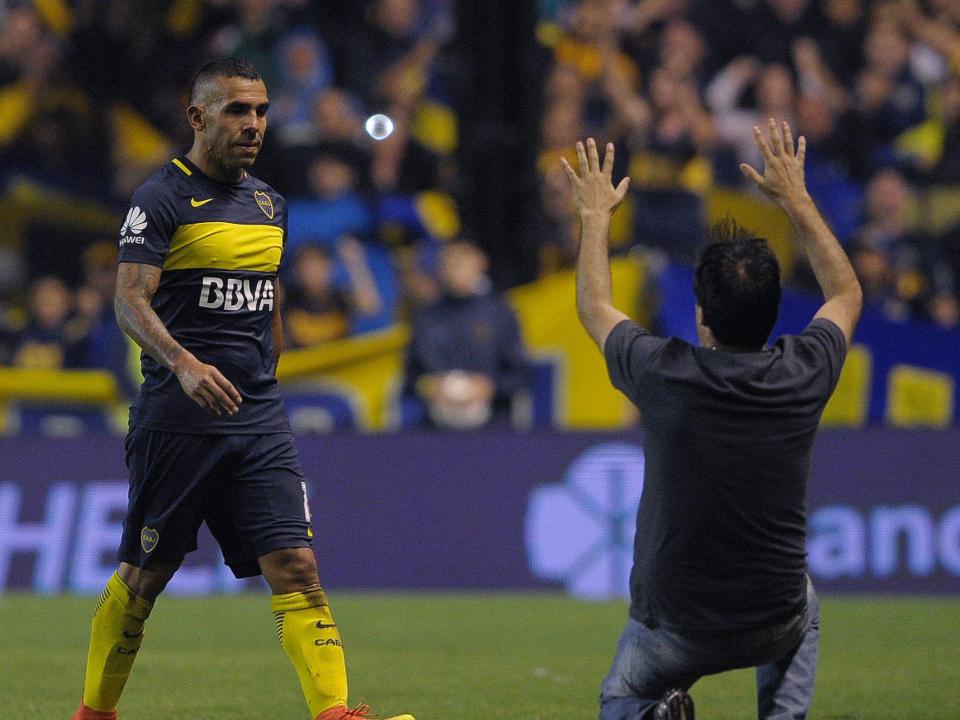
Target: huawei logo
(135, 222)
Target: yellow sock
(310, 638)
(115, 636)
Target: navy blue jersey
(219, 247)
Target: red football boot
(360, 712)
(85, 713)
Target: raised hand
(596, 198)
(593, 188)
(782, 178)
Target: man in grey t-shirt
(719, 575)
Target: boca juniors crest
(149, 539)
(265, 203)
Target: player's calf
(116, 633)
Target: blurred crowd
(92, 99)
(93, 96)
(680, 85)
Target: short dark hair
(222, 67)
(737, 285)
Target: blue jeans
(651, 661)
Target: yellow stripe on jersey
(183, 167)
(225, 246)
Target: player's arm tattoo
(204, 384)
(136, 285)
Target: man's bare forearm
(783, 181)
(204, 384)
(594, 285)
(596, 199)
(829, 262)
(136, 285)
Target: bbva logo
(580, 532)
(235, 294)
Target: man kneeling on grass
(719, 575)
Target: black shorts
(248, 488)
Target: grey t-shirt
(721, 526)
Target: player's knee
(147, 583)
(290, 570)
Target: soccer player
(209, 440)
(719, 573)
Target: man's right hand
(207, 386)
(782, 178)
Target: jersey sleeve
(825, 342)
(629, 351)
(147, 227)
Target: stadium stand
(91, 102)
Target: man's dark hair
(737, 285)
(222, 67)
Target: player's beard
(222, 157)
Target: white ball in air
(379, 126)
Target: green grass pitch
(463, 657)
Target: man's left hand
(593, 188)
